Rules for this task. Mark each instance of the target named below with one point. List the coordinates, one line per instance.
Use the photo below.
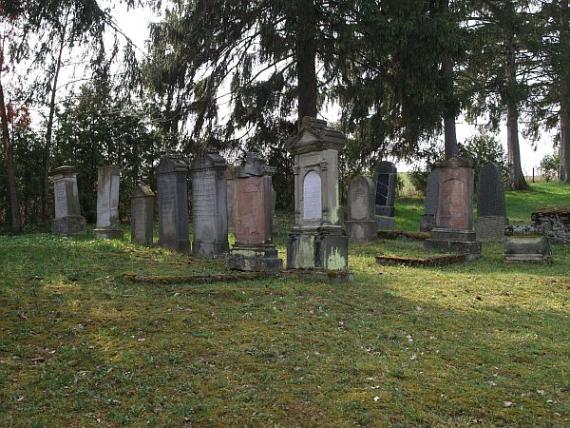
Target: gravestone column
(209, 205)
(172, 187)
(491, 207)
(68, 219)
(386, 182)
(142, 215)
(453, 229)
(108, 222)
(254, 249)
(361, 224)
(318, 239)
(427, 221)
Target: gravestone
(231, 176)
(528, 250)
(361, 225)
(108, 222)
(142, 215)
(254, 249)
(317, 240)
(209, 205)
(453, 229)
(427, 221)
(491, 209)
(68, 219)
(172, 187)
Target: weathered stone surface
(173, 203)
(491, 192)
(231, 175)
(108, 222)
(427, 221)
(491, 229)
(318, 240)
(554, 222)
(209, 205)
(68, 219)
(384, 223)
(386, 182)
(361, 223)
(528, 250)
(453, 229)
(142, 215)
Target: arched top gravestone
(491, 192)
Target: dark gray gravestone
(173, 203)
(491, 197)
(209, 205)
(142, 215)
(432, 191)
(386, 180)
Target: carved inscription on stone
(312, 196)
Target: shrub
(549, 165)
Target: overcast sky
(134, 24)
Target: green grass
(471, 344)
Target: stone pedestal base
(254, 259)
(209, 249)
(361, 231)
(108, 233)
(491, 229)
(385, 211)
(528, 250)
(385, 222)
(71, 225)
(427, 222)
(319, 249)
(454, 241)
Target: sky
(134, 24)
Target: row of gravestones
(317, 239)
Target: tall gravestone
(361, 225)
(142, 215)
(108, 222)
(386, 182)
(68, 219)
(318, 239)
(254, 249)
(172, 187)
(453, 229)
(209, 205)
(231, 176)
(427, 221)
(491, 206)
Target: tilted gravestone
(453, 229)
(108, 222)
(427, 221)
(254, 249)
(209, 205)
(172, 187)
(68, 219)
(386, 182)
(491, 207)
(317, 240)
(361, 225)
(142, 215)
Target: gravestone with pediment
(361, 225)
(254, 249)
(142, 215)
(108, 222)
(209, 205)
(317, 240)
(68, 219)
(172, 188)
(453, 229)
(427, 221)
(491, 207)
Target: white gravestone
(312, 197)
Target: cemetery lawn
(471, 344)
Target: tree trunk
(516, 176)
(306, 52)
(449, 110)
(49, 131)
(9, 163)
(564, 171)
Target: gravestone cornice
(314, 135)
